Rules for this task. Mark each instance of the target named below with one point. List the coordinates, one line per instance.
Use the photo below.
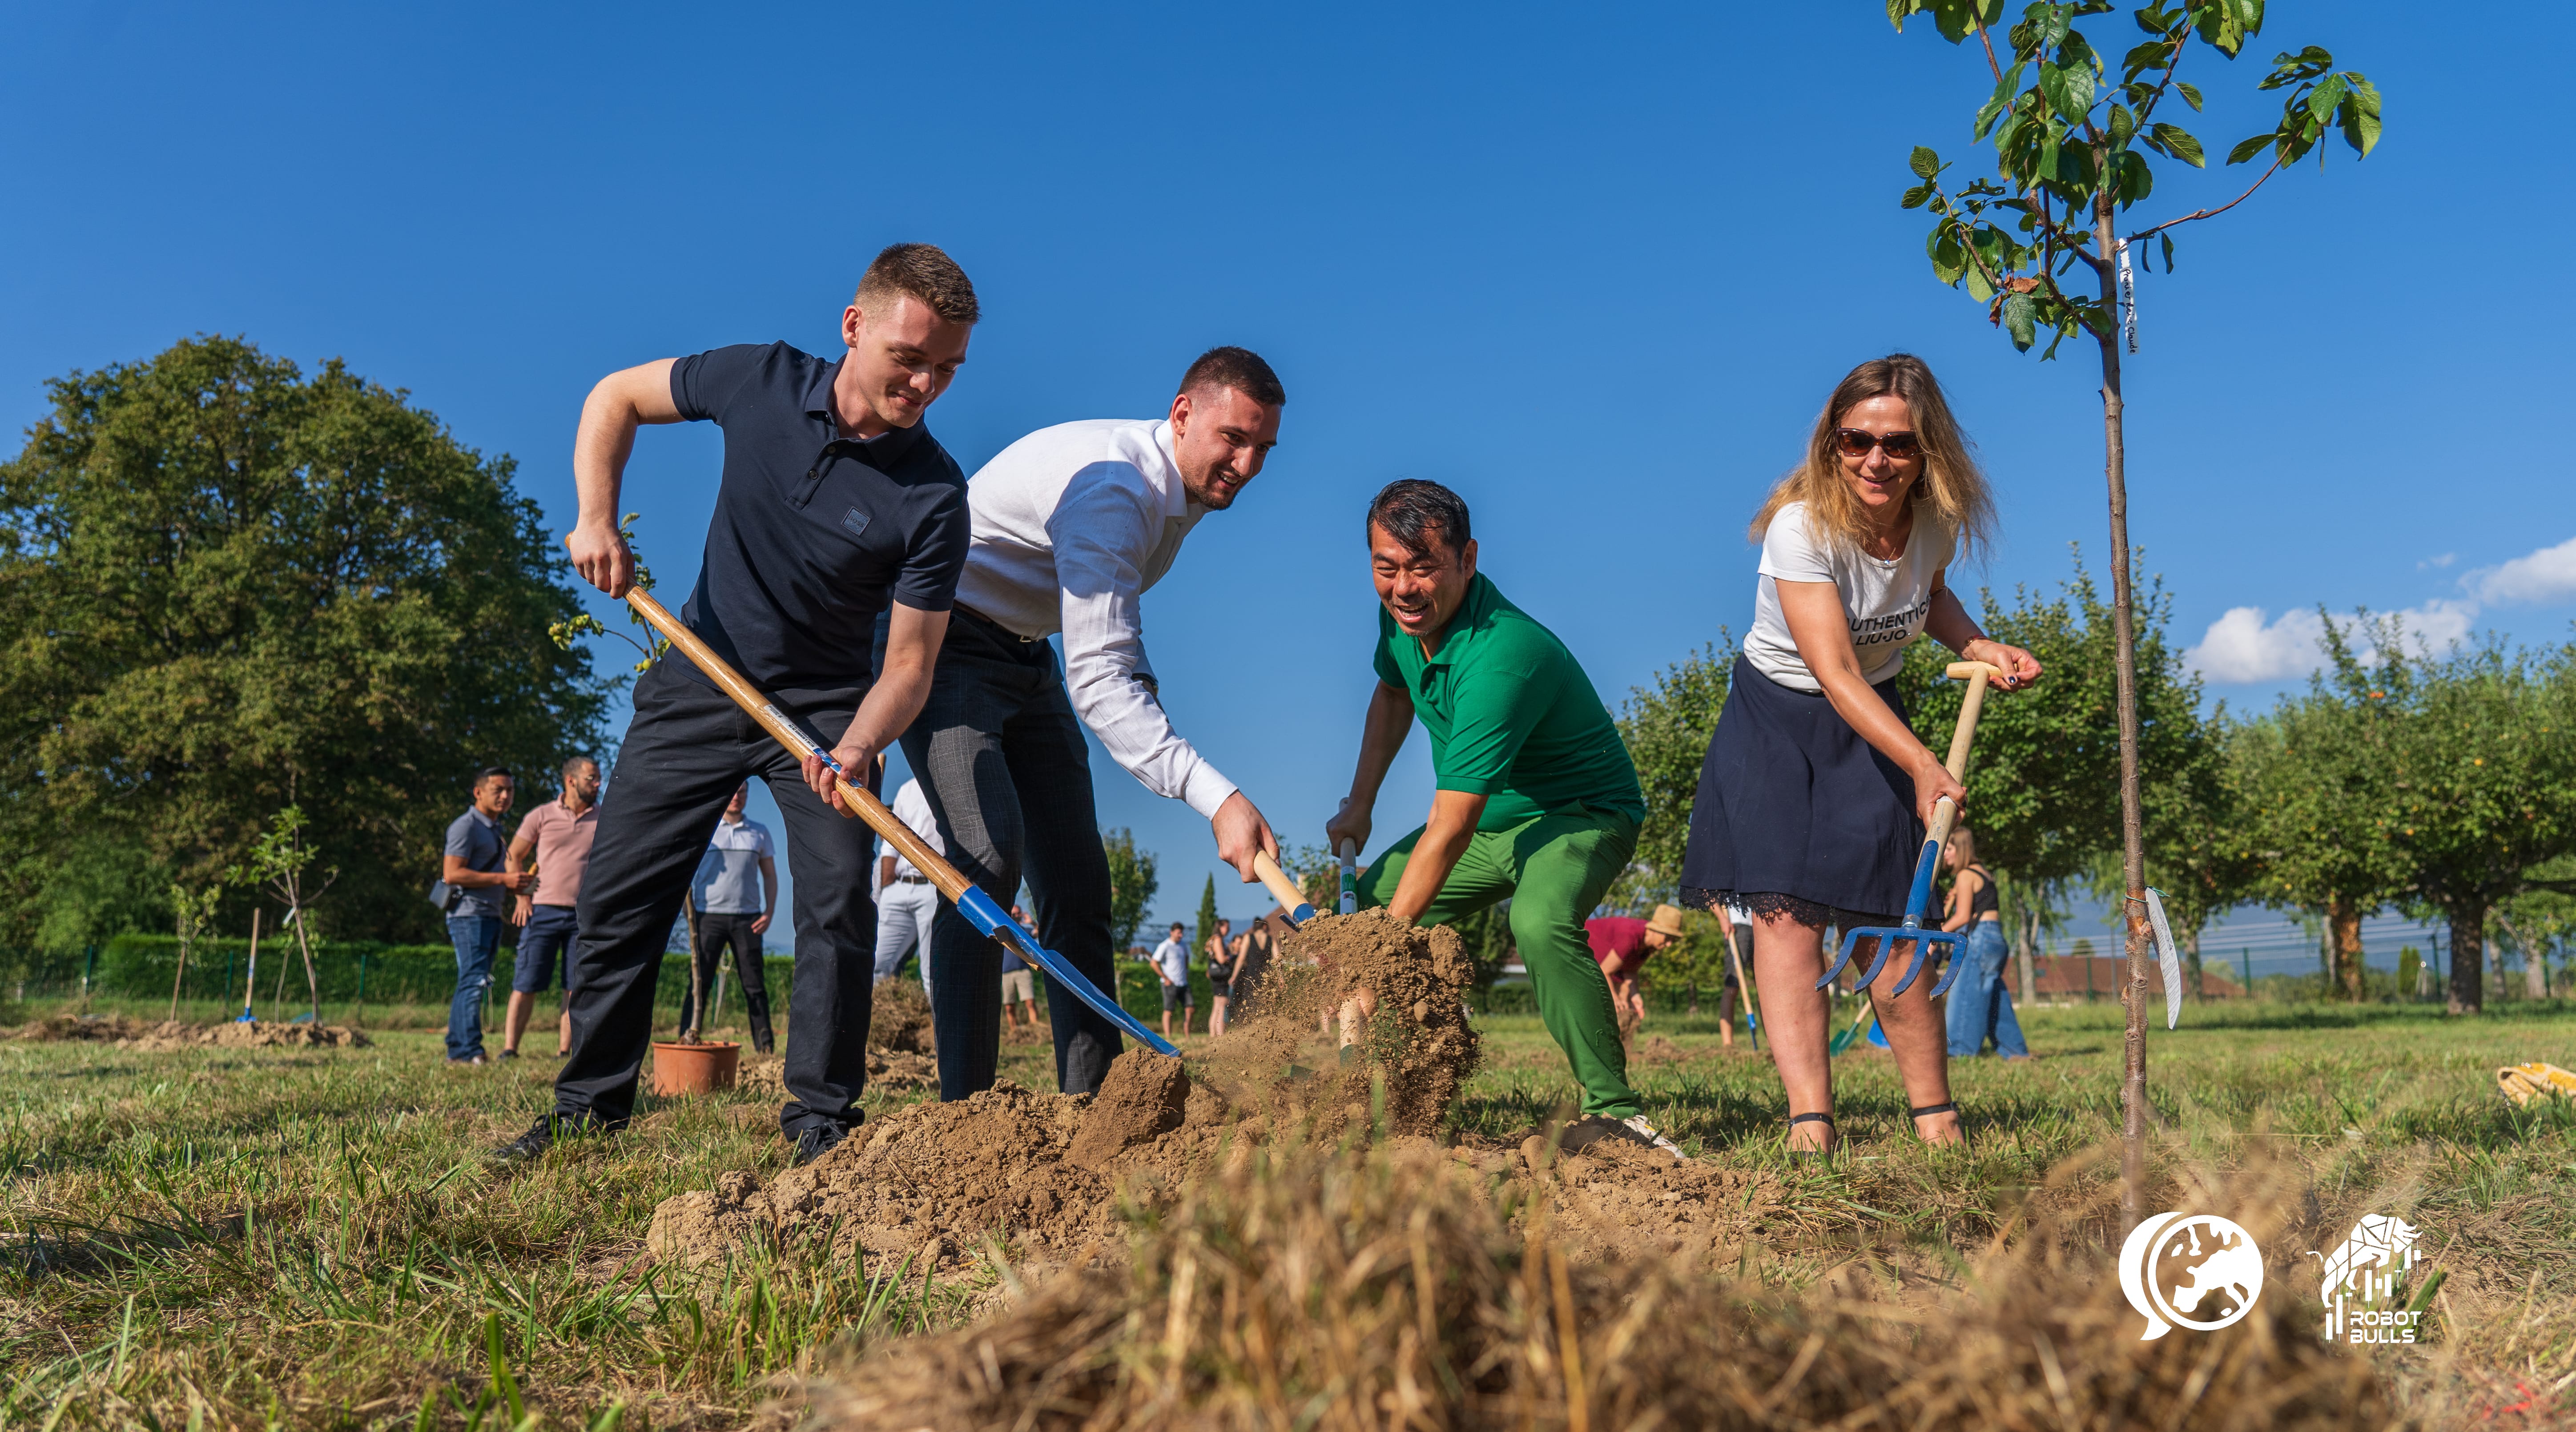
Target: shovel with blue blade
(1919, 903)
(980, 909)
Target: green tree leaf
(2173, 139)
(2021, 320)
(2359, 115)
(2190, 94)
(2247, 148)
(1925, 163)
(236, 587)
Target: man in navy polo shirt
(836, 505)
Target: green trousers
(1554, 869)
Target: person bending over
(1535, 797)
(1073, 524)
(1815, 794)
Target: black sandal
(1812, 1155)
(1944, 1108)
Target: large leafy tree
(2317, 780)
(226, 588)
(2072, 136)
(2481, 795)
(2043, 777)
(1132, 882)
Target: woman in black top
(1980, 1005)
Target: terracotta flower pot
(693, 1068)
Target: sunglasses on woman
(1852, 442)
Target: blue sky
(1595, 272)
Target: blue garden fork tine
(980, 909)
(1919, 901)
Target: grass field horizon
(307, 1238)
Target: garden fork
(1919, 902)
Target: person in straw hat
(1621, 945)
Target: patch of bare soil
(894, 1071)
(899, 1018)
(169, 1034)
(1038, 1175)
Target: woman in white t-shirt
(1814, 798)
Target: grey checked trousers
(1000, 754)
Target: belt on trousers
(912, 880)
(988, 621)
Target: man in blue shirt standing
(472, 879)
(836, 505)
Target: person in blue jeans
(476, 877)
(1980, 1005)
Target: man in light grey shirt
(736, 895)
(473, 882)
(1071, 525)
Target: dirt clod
(1145, 1097)
(899, 1018)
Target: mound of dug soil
(1381, 1289)
(1401, 987)
(170, 1034)
(899, 1018)
(1038, 1172)
(940, 1179)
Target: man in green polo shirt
(1536, 799)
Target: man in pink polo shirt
(557, 835)
(1620, 945)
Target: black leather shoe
(541, 1135)
(816, 1141)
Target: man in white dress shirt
(906, 900)
(1071, 525)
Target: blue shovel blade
(984, 915)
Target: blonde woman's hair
(1966, 840)
(1951, 480)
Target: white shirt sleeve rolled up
(1109, 533)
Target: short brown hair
(1951, 480)
(926, 272)
(1238, 368)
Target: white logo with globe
(2191, 1270)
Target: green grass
(307, 1238)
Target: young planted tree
(1132, 883)
(2071, 146)
(193, 910)
(279, 858)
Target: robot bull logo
(2190, 1270)
(2360, 1278)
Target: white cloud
(2444, 560)
(2548, 575)
(2243, 647)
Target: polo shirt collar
(1462, 626)
(489, 823)
(880, 450)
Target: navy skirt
(1797, 814)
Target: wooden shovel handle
(1282, 889)
(747, 696)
